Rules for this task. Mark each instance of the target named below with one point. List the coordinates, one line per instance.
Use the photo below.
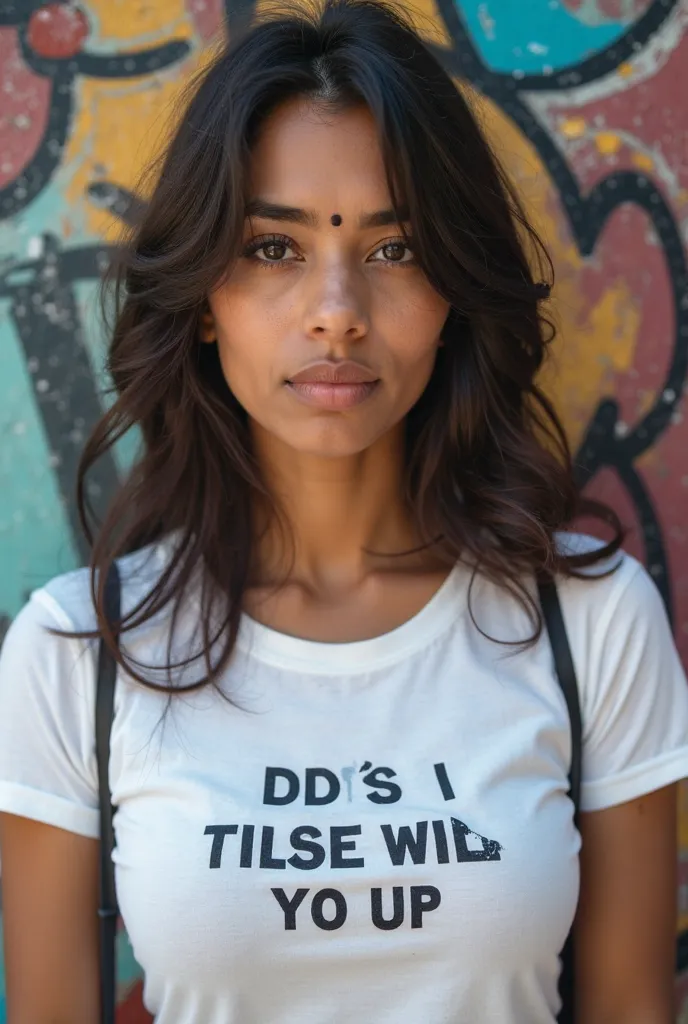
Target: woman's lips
(327, 395)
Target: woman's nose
(336, 309)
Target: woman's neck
(342, 513)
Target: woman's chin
(324, 437)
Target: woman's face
(327, 330)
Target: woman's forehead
(304, 156)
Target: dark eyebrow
(383, 218)
(295, 215)
(274, 211)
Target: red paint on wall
(57, 31)
(207, 16)
(23, 112)
(642, 128)
(131, 1010)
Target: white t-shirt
(380, 832)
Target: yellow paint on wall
(616, 316)
(642, 161)
(424, 14)
(119, 129)
(573, 127)
(120, 125)
(625, 70)
(594, 342)
(428, 22)
(137, 22)
(607, 143)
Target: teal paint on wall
(532, 36)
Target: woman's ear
(206, 327)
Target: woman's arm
(50, 923)
(626, 924)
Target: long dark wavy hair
(489, 475)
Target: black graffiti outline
(57, 269)
(71, 401)
(601, 446)
(37, 174)
(587, 216)
(120, 201)
(591, 69)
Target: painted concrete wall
(586, 103)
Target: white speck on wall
(539, 49)
(35, 247)
(487, 22)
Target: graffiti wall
(586, 103)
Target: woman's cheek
(416, 309)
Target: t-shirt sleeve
(48, 767)
(634, 696)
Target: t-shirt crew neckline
(290, 652)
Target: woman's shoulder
(631, 684)
(570, 544)
(614, 580)
(608, 596)
(67, 598)
(618, 624)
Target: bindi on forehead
(336, 220)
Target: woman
(340, 753)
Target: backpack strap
(105, 704)
(566, 674)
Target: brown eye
(394, 251)
(274, 250)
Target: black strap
(105, 704)
(566, 674)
